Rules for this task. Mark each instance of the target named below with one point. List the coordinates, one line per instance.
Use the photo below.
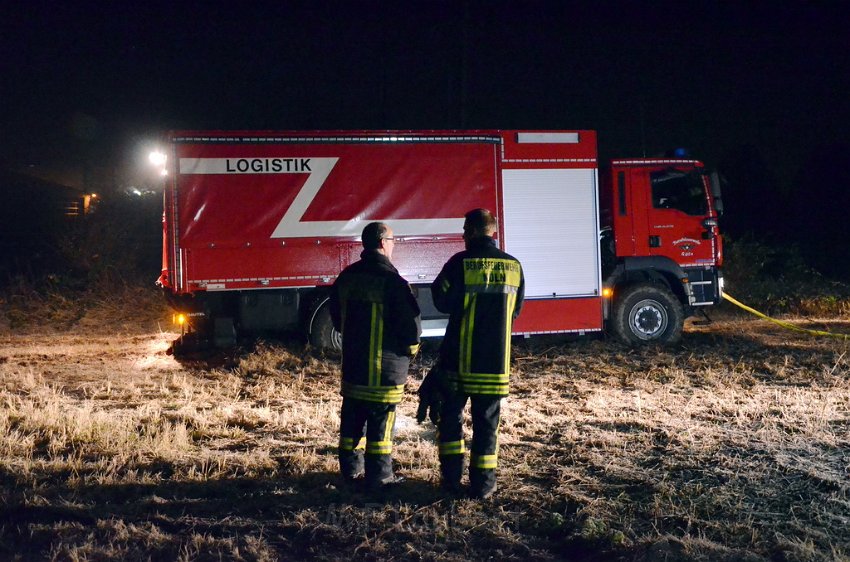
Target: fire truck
(258, 224)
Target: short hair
(479, 222)
(372, 235)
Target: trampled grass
(734, 445)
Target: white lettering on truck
(246, 165)
(269, 165)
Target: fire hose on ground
(782, 323)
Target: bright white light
(163, 172)
(157, 158)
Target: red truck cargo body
(265, 210)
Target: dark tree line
(808, 210)
(43, 234)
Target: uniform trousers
(366, 440)
(485, 440)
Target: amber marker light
(607, 292)
(180, 320)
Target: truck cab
(661, 247)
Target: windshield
(683, 191)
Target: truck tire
(648, 313)
(322, 332)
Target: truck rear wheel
(322, 332)
(648, 313)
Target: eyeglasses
(389, 238)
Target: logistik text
(260, 165)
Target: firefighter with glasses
(482, 290)
(375, 310)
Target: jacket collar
(377, 258)
(480, 242)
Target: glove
(412, 350)
(431, 396)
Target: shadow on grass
(290, 513)
(197, 353)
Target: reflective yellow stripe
(388, 428)
(511, 305)
(385, 446)
(347, 444)
(372, 350)
(498, 427)
(379, 448)
(463, 328)
(380, 355)
(499, 378)
(470, 333)
(467, 327)
(452, 448)
(376, 344)
(493, 389)
(484, 461)
(383, 394)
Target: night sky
(761, 87)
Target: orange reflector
(607, 292)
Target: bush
(105, 267)
(122, 238)
(776, 279)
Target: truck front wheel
(322, 332)
(648, 313)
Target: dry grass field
(734, 445)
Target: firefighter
(374, 309)
(482, 290)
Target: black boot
(482, 483)
(351, 465)
(451, 470)
(379, 471)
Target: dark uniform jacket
(374, 309)
(482, 289)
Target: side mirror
(710, 224)
(714, 182)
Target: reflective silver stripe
(342, 139)
(493, 289)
